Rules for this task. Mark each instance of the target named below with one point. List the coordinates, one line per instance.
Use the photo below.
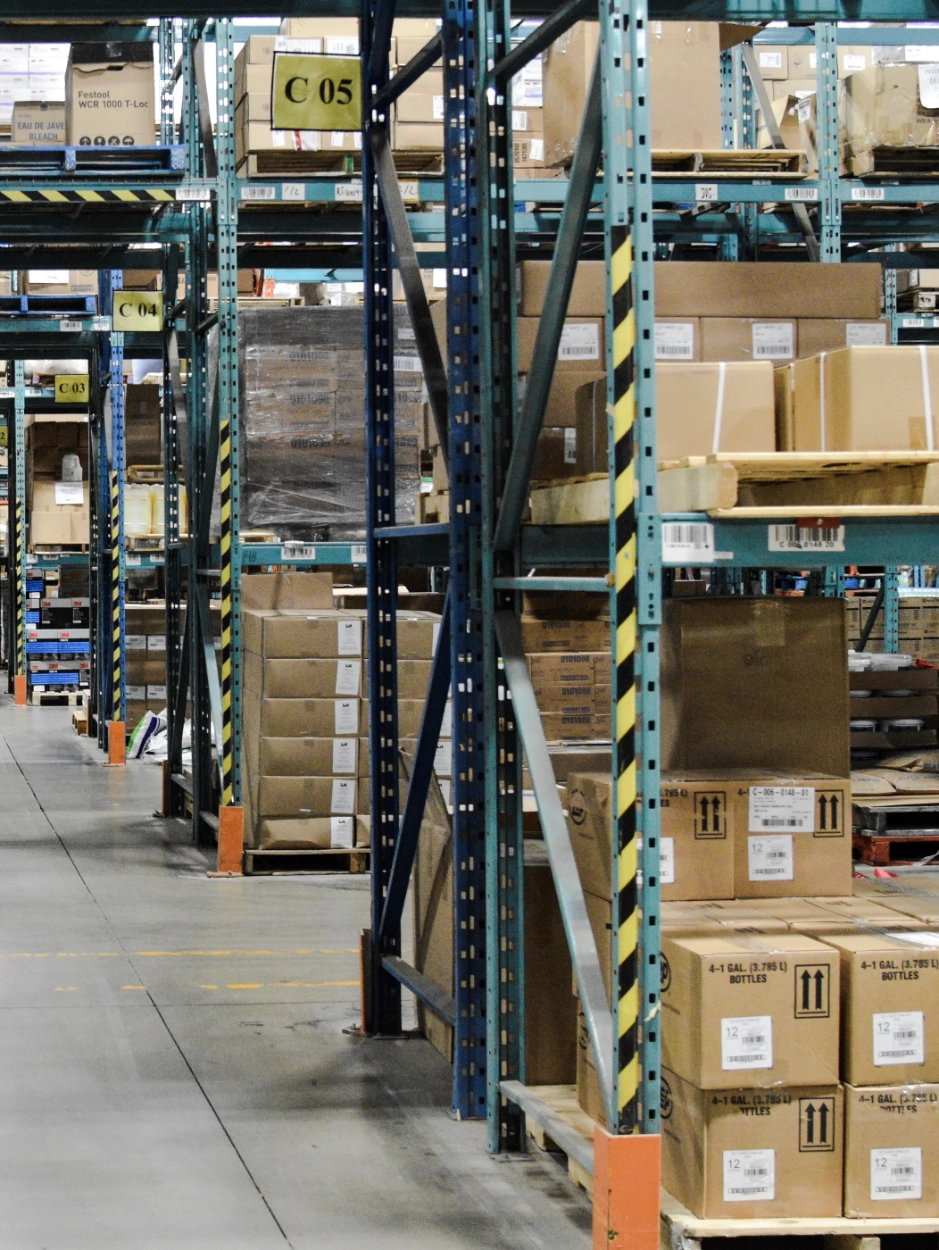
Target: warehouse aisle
(175, 1071)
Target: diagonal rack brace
(581, 191)
(421, 771)
(540, 38)
(408, 75)
(435, 375)
(580, 939)
(772, 128)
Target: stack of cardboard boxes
(569, 661)
(305, 713)
(145, 649)
(58, 504)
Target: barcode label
(579, 342)
(195, 195)
(897, 1173)
(358, 554)
(349, 192)
(706, 192)
(132, 562)
(101, 323)
(746, 1042)
(802, 195)
(688, 541)
(899, 1038)
(806, 538)
(408, 364)
(770, 60)
(674, 340)
(868, 193)
(258, 193)
(70, 327)
(778, 808)
(666, 861)
(773, 340)
(770, 858)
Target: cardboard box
(874, 399)
(792, 835)
(303, 679)
(545, 634)
(889, 1007)
(567, 66)
(312, 833)
(53, 524)
(583, 344)
(828, 334)
(755, 684)
(697, 835)
(416, 136)
(750, 1012)
(38, 123)
(744, 289)
(62, 282)
(773, 62)
(677, 338)
(302, 718)
(293, 634)
(588, 294)
(685, 84)
(885, 105)
(109, 95)
(691, 421)
(303, 796)
(753, 1153)
(297, 757)
(891, 1159)
(747, 338)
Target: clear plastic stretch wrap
(303, 420)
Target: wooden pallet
(279, 162)
(562, 1128)
(679, 162)
(681, 1230)
(258, 536)
(58, 698)
(57, 549)
(145, 474)
(268, 863)
(787, 483)
(895, 162)
(918, 301)
(143, 543)
(881, 851)
(417, 161)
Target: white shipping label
(865, 334)
(350, 637)
(570, 446)
(746, 1043)
(929, 86)
(135, 694)
(536, 150)
(579, 342)
(49, 277)
(813, 60)
(344, 756)
(438, 278)
(519, 119)
(806, 538)
(896, 1173)
(69, 493)
(288, 43)
(446, 726)
(443, 758)
(687, 542)
(343, 797)
(135, 642)
(919, 52)
(749, 1175)
(674, 340)
(804, 114)
(770, 858)
(434, 635)
(346, 717)
(770, 60)
(438, 107)
(854, 62)
(345, 45)
(156, 693)
(778, 809)
(342, 832)
(337, 139)
(666, 861)
(899, 1037)
(156, 642)
(348, 677)
(773, 340)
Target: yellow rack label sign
(137, 310)
(316, 92)
(71, 388)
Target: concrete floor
(173, 1066)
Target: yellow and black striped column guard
(225, 485)
(627, 912)
(115, 601)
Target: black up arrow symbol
(715, 815)
(822, 812)
(806, 986)
(705, 804)
(819, 987)
(810, 1120)
(833, 804)
(823, 1123)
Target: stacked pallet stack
(58, 637)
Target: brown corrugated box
(883, 107)
(285, 589)
(753, 1153)
(296, 757)
(588, 294)
(703, 408)
(313, 832)
(749, 289)
(828, 334)
(303, 718)
(889, 1007)
(303, 796)
(677, 338)
(294, 634)
(304, 678)
(891, 1161)
(755, 683)
(748, 338)
(750, 1012)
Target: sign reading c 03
(312, 92)
(137, 310)
(71, 388)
